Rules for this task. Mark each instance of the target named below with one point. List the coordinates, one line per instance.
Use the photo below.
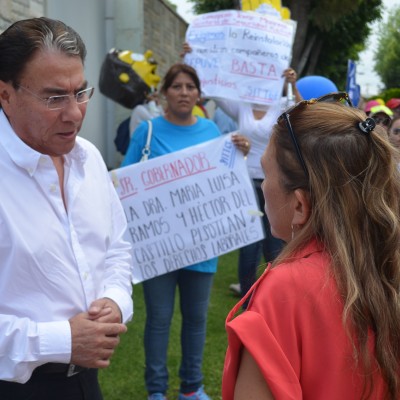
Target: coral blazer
(293, 329)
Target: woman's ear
(302, 207)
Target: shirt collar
(26, 157)
(313, 246)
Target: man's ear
(302, 209)
(4, 94)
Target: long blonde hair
(354, 189)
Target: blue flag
(351, 86)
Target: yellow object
(381, 109)
(253, 5)
(285, 12)
(198, 112)
(144, 66)
(124, 77)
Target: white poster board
(240, 55)
(187, 207)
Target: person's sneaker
(200, 394)
(156, 396)
(235, 287)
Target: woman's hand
(185, 49)
(242, 143)
(291, 77)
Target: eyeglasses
(337, 97)
(62, 101)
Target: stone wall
(14, 10)
(164, 33)
(163, 29)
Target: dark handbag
(123, 136)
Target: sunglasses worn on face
(337, 97)
(385, 121)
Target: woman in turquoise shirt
(174, 131)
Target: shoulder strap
(149, 133)
(146, 149)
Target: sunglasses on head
(336, 97)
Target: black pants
(83, 386)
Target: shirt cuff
(123, 300)
(55, 341)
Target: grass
(124, 379)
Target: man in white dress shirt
(65, 280)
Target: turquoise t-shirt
(167, 138)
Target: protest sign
(240, 55)
(188, 206)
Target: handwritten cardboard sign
(187, 207)
(240, 55)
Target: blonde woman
(324, 321)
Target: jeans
(159, 295)
(250, 255)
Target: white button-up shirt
(55, 260)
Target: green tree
(172, 5)
(387, 58)
(328, 33)
(344, 40)
(206, 6)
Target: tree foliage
(206, 6)
(342, 41)
(172, 5)
(387, 58)
(328, 33)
